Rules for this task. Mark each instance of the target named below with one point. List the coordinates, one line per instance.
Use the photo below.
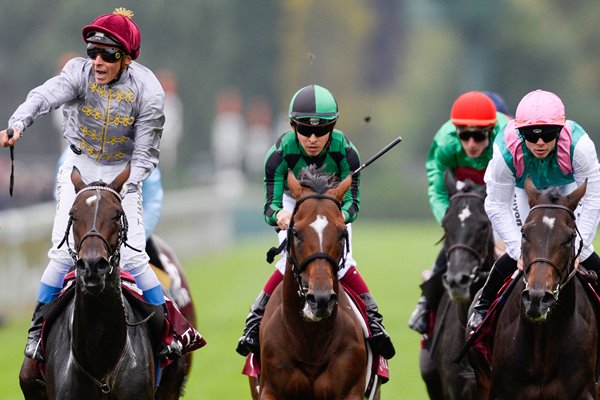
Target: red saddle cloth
(484, 342)
(379, 367)
(175, 322)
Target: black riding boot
(249, 340)
(419, 319)
(502, 268)
(379, 340)
(172, 351)
(32, 348)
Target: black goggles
(307, 129)
(108, 54)
(476, 133)
(545, 132)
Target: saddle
(379, 368)
(163, 329)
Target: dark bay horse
(469, 246)
(546, 339)
(100, 346)
(312, 344)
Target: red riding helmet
(473, 109)
(118, 26)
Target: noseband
(296, 267)
(480, 256)
(567, 274)
(113, 253)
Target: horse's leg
(253, 382)
(31, 381)
(172, 381)
(430, 375)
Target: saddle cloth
(174, 324)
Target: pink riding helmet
(540, 108)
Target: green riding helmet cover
(315, 103)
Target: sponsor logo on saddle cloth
(378, 370)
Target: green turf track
(390, 258)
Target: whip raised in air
(377, 155)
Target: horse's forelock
(315, 179)
(551, 196)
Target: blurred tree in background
(395, 67)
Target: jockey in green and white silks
(339, 159)
(312, 141)
(554, 152)
(573, 160)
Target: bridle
(114, 253)
(298, 267)
(480, 256)
(566, 274)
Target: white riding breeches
(132, 261)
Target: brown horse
(546, 340)
(101, 346)
(312, 345)
(469, 249)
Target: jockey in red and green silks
(462, 146)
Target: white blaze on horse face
(549, 221)
(91, 200)
(319, 225)
(464, 214)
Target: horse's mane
(315, 179)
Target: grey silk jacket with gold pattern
(111, 123)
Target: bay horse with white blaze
(312, 344)
(469, 246)
(101, 346)
(546, 340)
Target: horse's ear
(117, 183)
(532, 192)
(575, 196)
(340, 190)
(78, 183)
(294, 185)
(450, 183)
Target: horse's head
(99, 229)
(468, 238)
(317, 239)
(548, 247)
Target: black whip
(10, 132)
(377, 155)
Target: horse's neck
(99, 327)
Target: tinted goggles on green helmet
(313, 126)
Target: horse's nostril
(310, 298)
